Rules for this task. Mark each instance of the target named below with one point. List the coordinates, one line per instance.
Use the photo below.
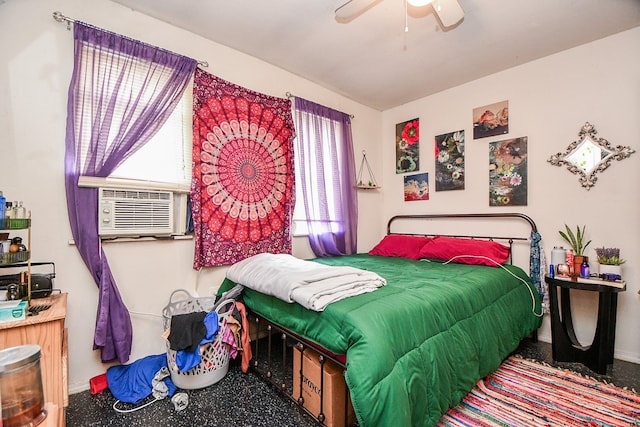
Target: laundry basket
(214, 362)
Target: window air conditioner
(130, 212)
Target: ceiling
(373, 61)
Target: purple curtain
(101, 134)
(327, 175)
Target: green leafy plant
(609, 256)
(575, 240)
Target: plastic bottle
(3, 204)
(584, 269)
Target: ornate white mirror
(589, 155)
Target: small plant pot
(577, 263)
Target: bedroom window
(314, 169)
(326, 207)
(166, 158)
(162, 164)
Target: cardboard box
(335, 388)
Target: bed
(415, 347)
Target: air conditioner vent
(127, 212)
(135, 195)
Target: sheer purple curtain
(121, 93)
(326, 169)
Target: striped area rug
(525, 393)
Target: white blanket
(310, 284)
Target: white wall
(549, 101)
(35, 69)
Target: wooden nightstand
(565, 345)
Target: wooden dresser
(47, 330)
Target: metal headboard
(468, 215)
(509, 239)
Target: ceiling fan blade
(448, 11)
(354, 8)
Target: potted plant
(577, 242)
(609, 260)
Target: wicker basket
(214, 363)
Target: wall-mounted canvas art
(449, 150)
(407, 146)
(508, 172)
(416, 187)
(490, 120)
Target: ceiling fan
(448, 11)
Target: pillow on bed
(400, 245)
(445, 248)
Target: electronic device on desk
(41, 283)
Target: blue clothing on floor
(132, 383)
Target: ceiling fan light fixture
(419, 3)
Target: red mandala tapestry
(243, 184)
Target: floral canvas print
(508, 172)
(407, 141)
(416, 187)
(491, 120)
(450, 161)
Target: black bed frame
(271, 360)
(275, 365)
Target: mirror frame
(586, 134)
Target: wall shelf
(371, 182)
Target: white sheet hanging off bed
(308, 283)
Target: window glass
(329, 130)
(166, 157)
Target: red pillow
(400, 245)
(445, 248)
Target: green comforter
(418, 345)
